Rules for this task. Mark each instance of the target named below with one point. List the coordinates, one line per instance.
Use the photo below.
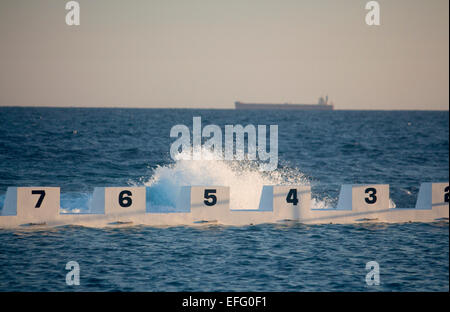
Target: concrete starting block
(119, 204)
(277, 204)
(371, 197)
(433, 196)
(209, 204)
(432, 205)
(291, 202)
(189, 205)
(364, 203)
(30, 205)
(357, 203)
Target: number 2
(446, 195)
(41, 194)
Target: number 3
(372, 199)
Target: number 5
(209, 196)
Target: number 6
(125, 201)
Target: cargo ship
(322, 104)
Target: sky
(211, 53)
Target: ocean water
(78, 149)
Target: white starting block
(111, 206)
(277, 203)
(364, 198)
(291, 202)
(31, 205)
(362, 203)
(119, 204)
(433, 196)
(432, 205)
(357, 203)
(190, 205)
(209, 204)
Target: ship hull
(252, 106)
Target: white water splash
(243, 177)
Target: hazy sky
(210, 53)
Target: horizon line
(206, 108)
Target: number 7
(41, 197)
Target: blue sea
(78, 149)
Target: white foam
(242, 176)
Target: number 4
(292, 197)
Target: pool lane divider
(200, 205)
